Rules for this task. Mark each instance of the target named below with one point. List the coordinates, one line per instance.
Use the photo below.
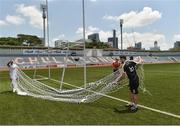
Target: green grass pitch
(162, 80)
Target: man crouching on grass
(129, 67)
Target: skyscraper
(156, 47)
(138, 45)
(113, 40)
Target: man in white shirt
(14, 77)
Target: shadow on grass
(122, 110)
(6, 92)
(100, 105)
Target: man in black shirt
(129, 67)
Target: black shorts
(133, 86)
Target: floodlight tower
(44, 9)
(84, 39)
(121, 25)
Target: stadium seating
(29, 58)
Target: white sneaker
(83, 100)
(129, 105)
(21, 93)
(14, 90)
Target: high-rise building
(177, 44)
(138, 45)
(155, 44)
(113, 40)
(156, 47)
(112, 43)
(94, 37)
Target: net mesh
(92, 92)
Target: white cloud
(16, 20)
(93, 29)
(147, 40)
(137, 19)
(32, 13)
(129, 39)
(89, 30)
(3, 23)
(79, 30)
(103, 35)
(59, 37)
(176, 37)
(24, 13)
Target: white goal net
(92, 92)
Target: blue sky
(144, 20)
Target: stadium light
(44, 9)
(121, 25)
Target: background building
(156, 47)
(60, 43)
(177, 44)
(113, 40)
(138, 46)
(94, 37)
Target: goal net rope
(92, 92)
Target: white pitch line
(145, 107)
(118, 99)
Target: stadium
(89, 79)
(157, 68)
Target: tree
(98, 45)
(9, 41)
(175, 49)
(31, 39)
